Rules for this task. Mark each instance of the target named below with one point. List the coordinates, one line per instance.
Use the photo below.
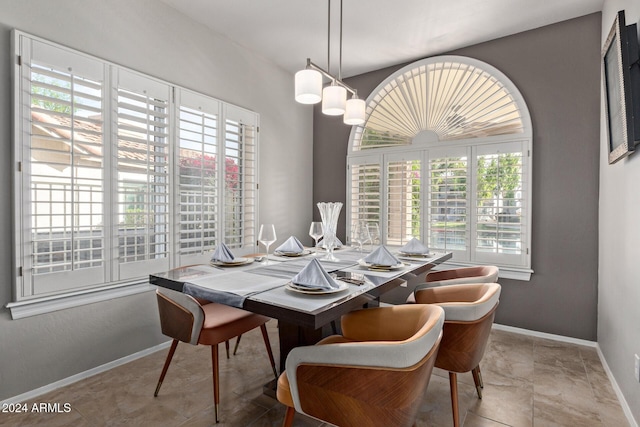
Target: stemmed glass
(374, 233)
(360, 233)
(267, 236)
(316, 232)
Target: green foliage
(415, 198)
(45, 91)
(499, 177)
(374, 138)
(451, 172)
(134, 217)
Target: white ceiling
(376, 33)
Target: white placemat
(231, 288)
(304, 302)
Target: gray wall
(557, 70)
(152, 38)
(619, 230)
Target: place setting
(313, 279)
(414, 250)
(291, 248)
(223, 257)
(381, 259)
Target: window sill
(515, 273)
(34, 307)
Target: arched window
(445, 156)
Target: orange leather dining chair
(469, 311)
(456, 276)
(374, 374)
(186, 319)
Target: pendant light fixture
(308, 85)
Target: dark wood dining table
(303, 319)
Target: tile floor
(528, 382)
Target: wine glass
(360, 233)
(374, 233)
(267, 236)
(316, 232)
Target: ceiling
(376, 33)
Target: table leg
(292, 335)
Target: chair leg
(167, 362)
(226, 347)
(235, 349)
(478, 382)
(267, 344)
(216, 384)
(288, 417)
(453, 383)
(480, 376)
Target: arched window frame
(383, 160)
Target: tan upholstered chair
(469, 312)
(456, 276)
(375, 374)
(185, 319)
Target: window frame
(429, 147)
(25, 301)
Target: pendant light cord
(329, 36)
(340, 57)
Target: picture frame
(621, 80)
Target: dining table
(262, 285)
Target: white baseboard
(623, 402)
(544, 335)
(82, 375)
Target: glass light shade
(334, 99)
(308, 86)
(355, 112)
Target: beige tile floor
(528, 382)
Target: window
(121, 175)
(444, 156)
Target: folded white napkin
(222, 254)
(414, 246)
(292, 246)
(381, 256)
(321, 244)
(313, 275)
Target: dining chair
(455, 276)
(203, 301)
(185, 319)
(469, 310)
(374, 374)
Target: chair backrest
(476, 274)
(376, 374)
(462, 302)
(181, 316)
(469, 313)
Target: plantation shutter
(119, 175)
(197, 175)
(403, 194)
(365, 197)
(449, 99)
(500, 203)
(448, 201)
(240, 176)
(62, 101)
(142, 175)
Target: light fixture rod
(337, 81)
(340, 54)
(329, 35)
